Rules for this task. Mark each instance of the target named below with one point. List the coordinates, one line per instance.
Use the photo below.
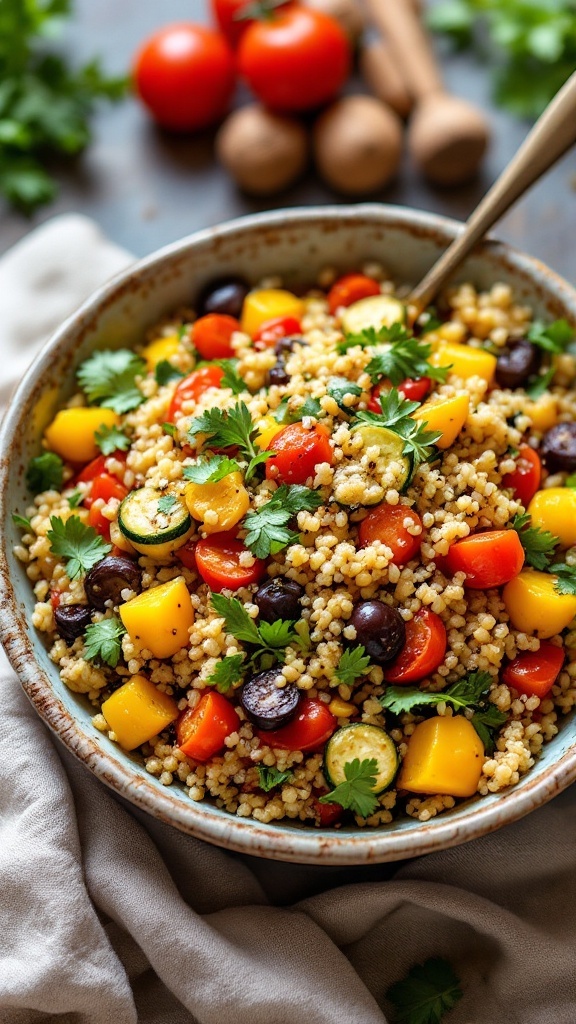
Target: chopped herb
(353, 664)
(339, 387)
(396, 415)
(110, 439)
(429, 320)
(45, 473)
(79, 544)
(407, 357)
(210, 471)
(166, 503)
(103, 640)
(570, 480)
(357, 792)
(170, 429)
(566, 578)
(554, 337)
(539, 545)
(310, 407)
(183, 331)
(165, 372)
(270, 638)
(267, 531)
(227, 672)
(231, 428)
(540, 384)
(109, 378)
(75, 499)
(428, 992)
(271, 777)
(302, 639)
(21, 521)
(231, 379)
(373, 336)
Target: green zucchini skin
(150, 531)
(361, 740)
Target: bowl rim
(201, 820)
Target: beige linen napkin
(110, 917)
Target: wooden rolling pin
(447, 136)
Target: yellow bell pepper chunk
(447, 416)
(160, 350)
(445, 755)
(228, 498)
(554, 509)
(464, 361)
(137, 711)
(267, 304)
(160, 618)
(543, 412)
(534, 606)
(268, 427)
(71, 433)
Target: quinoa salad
(313, 557)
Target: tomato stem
(258, 10)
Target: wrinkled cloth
(111, 917)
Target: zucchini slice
(375, 311)
(364, 742)
(150, 530)
(391, 446)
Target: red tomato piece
(525, 480)
(192, 387)
(309, 730)
(535, 672)
(105, 486)
(328, 814)
(186, 555)
(202, 730)
(273, 330)
(185, 75)
(55, 598)
(423, 651)
(226, 14)
(98, 466)
(99, 522)
(298, 450)
(218, 562)
(489, 559)
(295, 59)
(351, 288)
(414, 389)
(386, 523)
(211, 335)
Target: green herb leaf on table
(354, 663)
(357, 792)
(109, 378)
(227, 673)
(166, 503)
(553, 338)
(539, 545)
(267, 639)
(21, 521)
(103, 641)
(339, 387)
(566, 578)
(231, 379)
(75, 499)
(110, 439)
(428, 992)
(79, 544)
(374, 336)
(267, 532)
(540, 384)
(396, 415)
(45, 473)
(165, 372)
(407, 357)
(210, 471)
(271, 777)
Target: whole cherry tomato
(423, 651)
(525, 480)
(295, 59)
(351, 288)
(489, 559)
(211, 335)
(192, 387)
(414, 389)
(386, 523)
(535, 672)
(227, 14)
(298, 450)
(201, 731)
(185, 76)
(273, 330)
(218, 562)
(309, 730)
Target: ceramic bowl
(296, 244)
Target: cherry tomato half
(309, 730)
(327, 814)
(98, 466)
(192, 387)
(525, 480)
(273, 330)
(105, 486)
(414, 389)
(489, 559)
(185, 75)
(423, 651)
(386, 523)
(202, 730)
(535, 672)
(351, 288)
(211, 335)
(218, 562)
(296, 59)
(298, 450)
(186, 555)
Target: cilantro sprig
(165, 372)
(407, 357)
(79, 544)
(231, 379)
(553, 338)
(231, 428)
(428, 992)
(109, 378)
(339, 387)
(211, 470)
(110, 439)
(267, 530)
(45, 473)
(227, 672)
(539, 545)
(354, 663)
(310, 407)
(357, 792)
(373, 336)
(103, 641)
(269, 640)
(21, 521)
(565, 582)
(270, 777)
(396, 415)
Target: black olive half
(71, 620)
(267, 705)
(559, 448)
(279, 599)
(516, 363)
(108, 578)
(380, 629)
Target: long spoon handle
(549, 139)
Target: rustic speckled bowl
(296, 244)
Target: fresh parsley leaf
(109, 378)
(566, 578)
(75, 499)
(79, 544)
(165, 372)
(554, 337)
(357, 792)
(540, 384)
(271, 777)
(231, 379)
(310, 407)
(353, 664)
(209, 471)
(170, 429)
(166, 503)
(227, 673)
(268, 639)
(232, 427)
(539, 545)
(276, 635)
(21, 521)
(45, 473)
(408, 357)
(110, 439)
(103, 640)
(339, 387)
(373, 336)
(428, 992)
(396, 415)
(486, 722)
(267, 532)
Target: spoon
(551, 136)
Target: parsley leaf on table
(269, 638)
(103, 640)
(233, 427)
(353, 664)
(357, 792)
(227, 672)
(271, 777)
(109, 378)
(267, 532)
(554, 337)
(407, 357)
(165, 372)
(210, 471)
(110, 439)
(45, 473)
(566, 578)
(396, 415)
(428, 992)
(539, 545)
(79, 544)
(231, 379)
